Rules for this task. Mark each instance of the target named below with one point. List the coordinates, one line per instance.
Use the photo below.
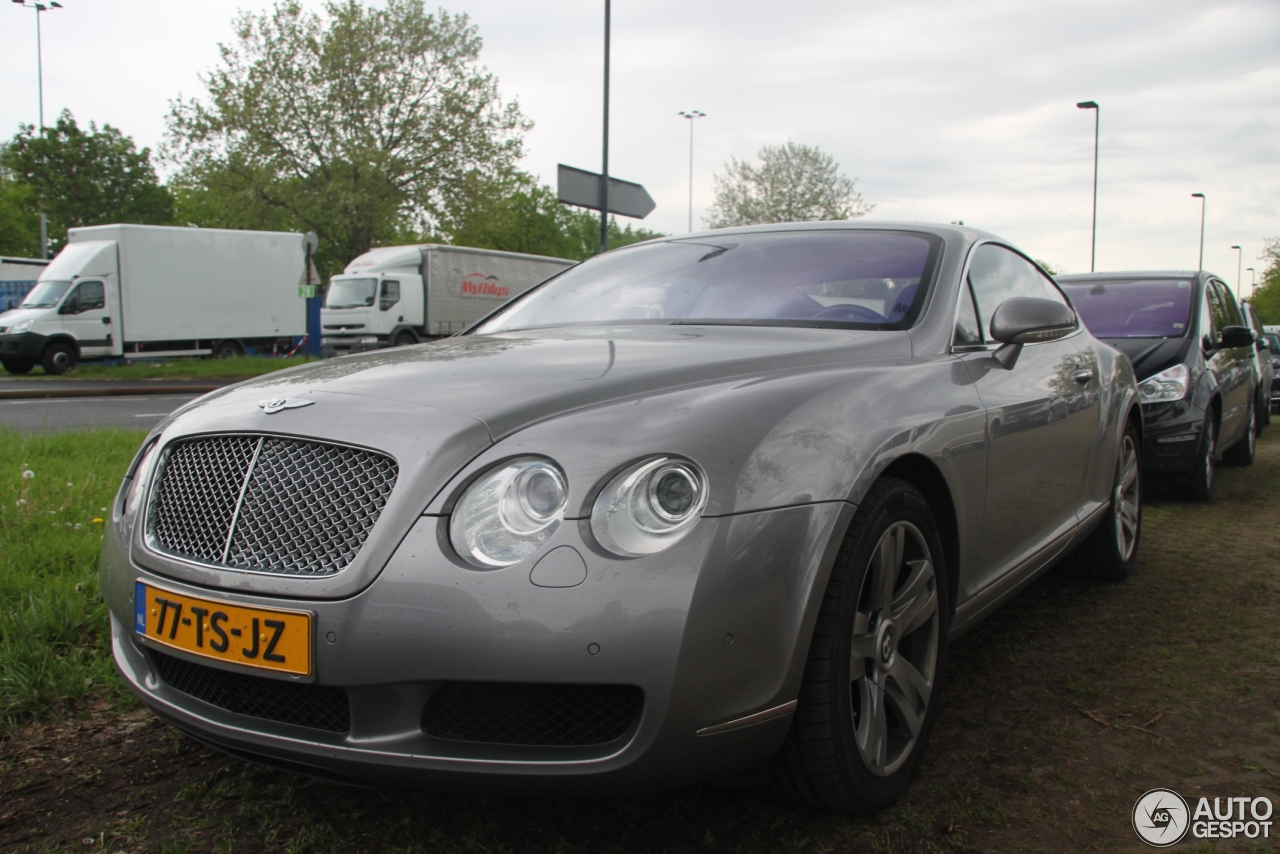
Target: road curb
(114, 391)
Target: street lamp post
(1200, 196)
(40, 7)
(1253, 281)
(1239, 264)
(691, 115)
(1097, 121)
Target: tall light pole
(1200, 196)
(1239, 264)
(1253, 281)
(691, 115)
(40, 7)
(1097, 121)
(604, 171)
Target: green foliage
(792, 183)
(515, 213)
(1266, 299)
(19, 229)
(1048, 268)
(89, 177)
(357, 124)
(54, 630)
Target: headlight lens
(649, 507)
(1168, 385)
(509, 513)
(22, 326)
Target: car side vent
(531, 714)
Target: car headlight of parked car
(649, 506)
(21, 326)
(509, 513)
(1168, 385)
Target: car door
(1041, 419)
(1232, 366)
(84, 315)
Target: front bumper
(712, 631)
(1171, 437)
(343, 345)
(23, 347)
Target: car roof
(950, 231)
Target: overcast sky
(942, 110)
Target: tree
(82, 178)
(19, 229)
(792, 183)
(515, 213)
(1266, 299)
(357, 124)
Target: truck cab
(376, 302)
(71, 314)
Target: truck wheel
(228, 350)
(16, 367)
(405, 339)
(58, 358)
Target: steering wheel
(850, 312)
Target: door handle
(1083, 377)
(106, 321)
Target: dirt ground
(1059, 712)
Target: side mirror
(1236, 336)
(1029, 320)
(71, 306)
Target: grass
(238, 368)
(53, 624)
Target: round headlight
(509, 513)
(649, 507)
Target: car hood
(1150, 356)
(512, 380)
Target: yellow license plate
(266, 638)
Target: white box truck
(145, 291)
(400, 295)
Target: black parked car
(1193, 355)
(1264, 366)
(1273, 346)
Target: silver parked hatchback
(699, 509)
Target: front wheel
(874, 673)
(1199, 486)
(1110, 552)
(228, 350)
(59, 357)
(405, 339)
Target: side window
(91, 296)
(390, 295)
(1231, 310)
(967, 329)
(996, 274)
(1217, 311)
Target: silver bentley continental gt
(702, 509)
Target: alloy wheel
(1126, 499)
(893, 656)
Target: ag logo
(1161, 818)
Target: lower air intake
(527, 714)
(314, 706)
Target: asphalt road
(80, 413)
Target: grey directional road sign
(582, 188)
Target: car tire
(874, 672)
(1111, 550)
(1263, 410)
(228, 350)
(18, 367)
(59, 357)
(405, 339)
(1242, 452)
(1199, 485)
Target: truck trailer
(399, 295)
(17, 278)
(145, 291)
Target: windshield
(45, 295)
(350, 293)
(844, 279)
(1133, 308)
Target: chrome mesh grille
(268, 504)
